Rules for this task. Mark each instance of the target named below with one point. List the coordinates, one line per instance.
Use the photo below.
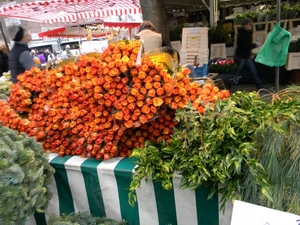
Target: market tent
(80, 30)
(57, 11)
(72, 32)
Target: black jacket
(3, 62)
(244, 43)
(13, 61)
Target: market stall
(57, 11)
(109, 134)
(95, 29)
(100, 187)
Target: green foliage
(176, 33)
(218, 34)
(82, 218)
(268, 13)
(24, 176)
(214, 149)
(155, 161)
(278, 151)
(246, 147)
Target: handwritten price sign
(249, 214)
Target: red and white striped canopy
(74, 31)
(58, 11)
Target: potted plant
(222, 66)
(219, 34)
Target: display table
(100, 187)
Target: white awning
(57, 11)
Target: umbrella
(57, 11)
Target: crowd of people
(21, 57)
(44, 55)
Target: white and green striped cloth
(100, 187)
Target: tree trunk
(155, 11)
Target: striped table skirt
(100, 187)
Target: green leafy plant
(222, 65)
(24, 177)
(278, 152)
(176, 33)
(214, 149)
(245, 147)
(82, 218)
(219, 34)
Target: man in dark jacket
(19, 59)
(3, 59)
(243, 52)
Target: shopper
(46, 54)
(243, 52)
(3, 59)
(33, 54)
(19, 59)
(41, 57)
(68, 52)
(151, 39)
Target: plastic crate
(188, 56)
(259, 37)
(202, 71)
(294, 23)
(194, 37)
(260, 26)
(294, 26)
(283, 24)
(293, 61)
(176, 45)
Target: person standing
(243, 52)
(3, 59)
(46, 54)
(41, 57)
(33, 53)
(151, 39)
(19, 59)
(68, 52)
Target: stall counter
(100, 187)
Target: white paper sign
(249, 214)
(93, 46)
(194, 30)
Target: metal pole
(277, 68)
(4, 38)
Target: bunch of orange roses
(103, 106)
